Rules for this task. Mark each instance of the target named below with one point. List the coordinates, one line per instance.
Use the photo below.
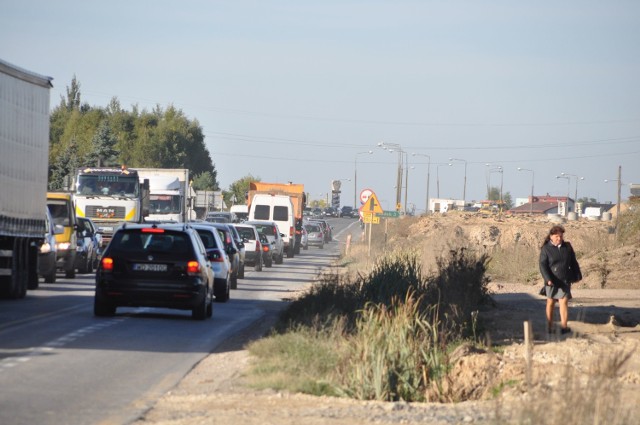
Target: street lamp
(428, 172)
(532, 179)
(619, 180)
(498, 169)
(577, 178)
(390, 147)
(568, 189)
(438, 176)
(355, 176)
(464, 190)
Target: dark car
(155, 265)
(347, 212)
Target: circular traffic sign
(364, 195)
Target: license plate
(149, 267)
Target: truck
(171, 197)
(24, 160)
(295, 191)
(110, 197)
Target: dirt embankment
(605, 323)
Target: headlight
(64, 245)
(45, 248)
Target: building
(544, 205)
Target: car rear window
(312, 228)
(265, 229)
(246, 233)
(281, 213)
(177, 244)
(208, 240)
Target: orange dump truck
(294, 191)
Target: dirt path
(215, 391)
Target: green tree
(64, 168)
(494, 195)
(204, 181)
(239, 189)
(103, 152)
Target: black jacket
(559, 265)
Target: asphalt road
(61, 365)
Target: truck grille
(99, 212)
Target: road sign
(370, 218)
(364, 195)
(398, 206)
(389, 214)
(372, 205)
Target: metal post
(532, 180)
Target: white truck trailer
(24, 159)
(170, 197)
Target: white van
(277, 208)
(241, 211)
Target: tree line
(93, 136)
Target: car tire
(83, 268)
(210, 306)
(258, 266)
(269, 263)
(280, 258)
(199, 312)
(50, 278)
(306, 247)
(102, 307)
(234, 282)
(241, 271)
(321, 246)
(290, 252)
(221, 292)
(70, 274)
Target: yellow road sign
(372, 205)
(370, 218)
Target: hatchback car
(253, 248)
(220, 263)
(155, 265)
(326, 229)
(88, 245)
(315, 235)
(230, 247)
(272, 232)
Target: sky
(301, 90)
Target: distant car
(253, 247)
(221, 217)
(266, 250)
(326, 229)
(304, 238)
(330, 212)
(315, 234)
(317, 213)
(155, 265)
(272, 232)
(89, 241)
(47, 252)
(346, 211)
(220, 263)
(241, 249)
(228, 239)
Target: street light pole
(355, 176)
(464, 190)
(532, 179)
(390, 147)
(568, 189)
(619, 180)
(577, 178)
(426, 210)
(438, 176)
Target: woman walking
(559, 268)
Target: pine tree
(103, 152)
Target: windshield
(113, 185)
(164, 204)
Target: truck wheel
(50, 278)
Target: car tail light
(291, 232)
(193, 268)
(151, 230)
(216, 256)
(258, 246)
(107, 264)
(265, 248)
